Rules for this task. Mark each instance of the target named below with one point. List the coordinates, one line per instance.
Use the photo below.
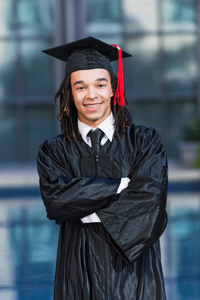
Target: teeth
(92, 105)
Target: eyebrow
(78, 82)
(82, 82)
(102, 79)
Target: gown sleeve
(65, 197)
(138, 217)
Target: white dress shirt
(107, 126)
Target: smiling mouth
(92, 105)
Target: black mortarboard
(87, 53)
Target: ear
(112, 93)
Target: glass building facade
(161, 79)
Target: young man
(104, 181)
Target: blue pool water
(29, 244)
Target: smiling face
(92, 92)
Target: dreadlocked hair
(121, 114)
(68, 113)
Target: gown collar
(107, 126)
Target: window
(26, 78)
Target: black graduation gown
(119, 258)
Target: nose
(91, 94)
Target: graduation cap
(91, 53)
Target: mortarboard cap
(89, 53)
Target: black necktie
(96, 136)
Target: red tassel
(119, 94)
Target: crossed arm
(67, 198)
(135, 218)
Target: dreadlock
(68, 113)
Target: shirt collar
(107, 126)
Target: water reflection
(29, 244)
(181, 247)
(28, 251)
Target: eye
(101, 85)
(80, 88)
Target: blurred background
(163, 88)
(161, 79)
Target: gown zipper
(97, 163)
